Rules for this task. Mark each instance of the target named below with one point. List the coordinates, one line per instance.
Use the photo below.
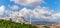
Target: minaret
(30, 20)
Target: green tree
(10, 24)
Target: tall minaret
(31, 18)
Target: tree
(9, 24)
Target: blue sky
(51, 4)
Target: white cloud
(2, 9)
(14, 7)
(38, 13)
(56, 16)
(28, 2)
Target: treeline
(10, 24)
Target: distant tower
(31, 18)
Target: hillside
(10, 24)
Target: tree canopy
(10, 24)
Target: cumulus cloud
(2, 12)
(14, 7)
(2, 9)
(56, 16)
(28, 2)
(37, 13)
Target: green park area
(10, 24)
